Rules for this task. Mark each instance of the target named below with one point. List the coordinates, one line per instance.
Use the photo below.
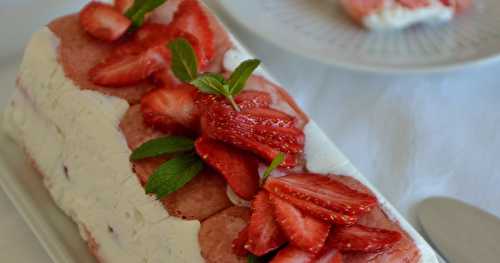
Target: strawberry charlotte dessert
(398, 14)
(164, 143)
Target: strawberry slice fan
(300, 217)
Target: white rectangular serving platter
(59, 235)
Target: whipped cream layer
(73, 138)
(396, 16)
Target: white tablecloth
(412, 135)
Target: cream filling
(73, 136)
(396, 16)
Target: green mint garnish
(173, 174)
(162, 146)
(184, 62)
(140, 8)
(239, 77)
(185, 68)
(274, 164)
(253, 259)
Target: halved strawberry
(191, 18)
(303, 231)
(123, 5)
(238, 167)
(264, 233)
(118, 71)
(319, 212)
(323, 191)
(170, 107)
(291, 254)
(239, 243)
(329, 255)
(270, 117)
(104, 22)
(360, 238)
(254, 132)
(412, 4)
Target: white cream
(65, 128)
(396, 16)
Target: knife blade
(460, 232)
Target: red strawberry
(271, 117)
(291, 254)
(239, 243)
(123, 5)
(264, 233)
(170, 107)
(319, 212)
(250, 99)
(254, 132)
(118, 71)
(303, 231)
(238, 167)
(104, 22)
(412, 4)
(323, 191)
(191, 18)
(329, 255)
(360, 238)
(358, 9)
(153, 34)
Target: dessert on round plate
(164, 141)
(398, 14)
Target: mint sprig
(161, 146)
(140, 8)
(173, 174)
(185, 68)
(274, 164)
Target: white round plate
(319, 29)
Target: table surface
(413, 136)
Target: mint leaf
(241, 74)
(161, 146)
(140, 8)
(274, 164)
(173, 174)
(184, 63)
(211, 83)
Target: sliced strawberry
(413, 4)
(104, 22)
(291, 254)
(123, 5)
(239, 243)
(319, 212)
(238, 167)
(271, 117)
(264, 233)
(118, 71)
(303, 231)
(250, 99)
(191, 18)
(168, 107)
(153, 34)
(253, 132)
(323, 191)
(360, 238)
(329, 255)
